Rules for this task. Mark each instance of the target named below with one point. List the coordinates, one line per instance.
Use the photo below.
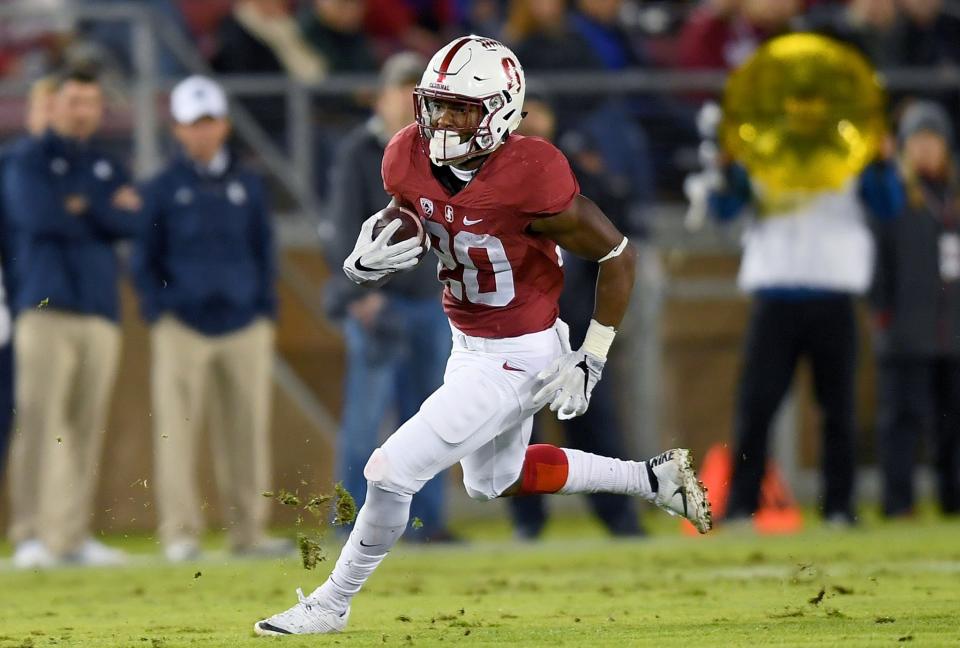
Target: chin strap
(445, 145)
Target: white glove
(570, 379)
(373, 259)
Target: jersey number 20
(459, 257)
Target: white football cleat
(678, 491)
(306, 617)
(33, 554)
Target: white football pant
(481, 416)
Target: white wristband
(615, 252)
(598, 339)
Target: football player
(498, 207)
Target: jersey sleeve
(397, 160)
(550, 185)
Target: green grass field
(882, 585)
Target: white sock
(590, 473)
(380, 523)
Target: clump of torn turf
(345, 506)
(284, 496)
(344, 509)
(317, 504)
(416, 524)
(311, 552)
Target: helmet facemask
(469, 135)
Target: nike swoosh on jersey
(509, 368)
(363, 544)
(467, 221)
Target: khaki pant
(232, 375)
(66, 366)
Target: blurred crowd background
(315, 88)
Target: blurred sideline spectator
(931, 35)
(205, 268)
(541, 36)
(722, 34)
(37, 118)
(870, 25)
(621, 149)
(803, 292)
(6, 372)
(334, 29)
(597, 431)
(916, 298)
(619, 125)
(203, 20)
(598, 23)
(113, 37)
(262, 36)
(31, 46)
(398, 338)
(68, 203)
(419, 25)
(481, 16)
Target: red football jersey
(500, 280)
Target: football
(410, 226)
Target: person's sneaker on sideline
(181, 551)
(93, 553)
(266, 548)
(33, 554)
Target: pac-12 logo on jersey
(427, 205)
(448, 213)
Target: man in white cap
(205, 268)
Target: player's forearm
(614, 287)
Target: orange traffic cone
(777, 511)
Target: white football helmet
(470, 71)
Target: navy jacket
(64, 261)
(206, 253)
(6, 232)
(916, 290)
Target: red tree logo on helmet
(513, 75)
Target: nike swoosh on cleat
(683, 496)
(467, 221)
(362, 544)
(509, 368)
(272, 628)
